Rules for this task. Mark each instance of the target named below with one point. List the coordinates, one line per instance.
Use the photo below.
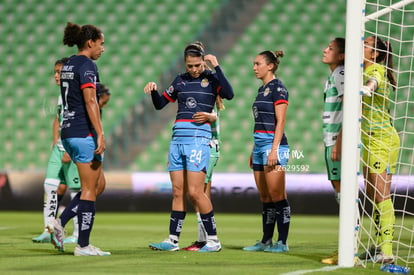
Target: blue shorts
(190, 157)
(81, 149)
(260, 153)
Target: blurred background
(144, 40)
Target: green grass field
(127, 235)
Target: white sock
(202, 233)
(75, 219)
(174, 238)
(50, 200)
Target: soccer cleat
(71, 239)
(57, 234)
(90, 250)
(333, 259)
(259, 246)
(278, 247)
(166, 245)
(195, 246)
(383, 259)
(42, 238)
(211, 246)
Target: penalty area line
(323, 269)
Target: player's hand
(336, 152)
(201, 117)
(66, 158)
(149, 87)
(251, 161)
(212, 59)
(101, 145)
(366, 91)
(272, 158)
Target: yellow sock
(386, 222)
(376, 218)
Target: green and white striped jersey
(332, 108)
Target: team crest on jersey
(204, 83)
(191, 102)
(266, 91)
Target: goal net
(386, 230)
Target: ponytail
(384, 50)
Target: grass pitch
(127, 235)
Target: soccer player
(61, 173)
(270, 153)
(334, 57)
(189, 153)
(380, 144)
(213, 118)
(82, 133)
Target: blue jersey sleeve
(225, 89)
(280, 94)
(88, 75)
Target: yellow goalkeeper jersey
(376, 109)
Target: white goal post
(351, 145)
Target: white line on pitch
(300, 272)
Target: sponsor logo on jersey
(170, 90)
(191, 102)
(66, 75)
(204, 83)
(67, 68)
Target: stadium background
(143, 42)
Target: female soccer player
(82, 133)
(213, 118)
(270, 153)
(334, 57)
(61, 173)
(189, 153)
(380, 142)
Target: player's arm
(92, 107)
(225, 89)
(158, 101)
(55, 129)
(280, 115)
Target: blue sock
(70, 210)
(283, 219)
(268, 221)
(209, 223)
(176, 222)
(86, 216)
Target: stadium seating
(296, 28)
(142, 41)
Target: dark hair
(77, 35)
(340, 44)
(272, 57)
(195, 49)
(384, 50)
(61, 61)
(103, 89)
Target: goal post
(393, 22)
(350, 133)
